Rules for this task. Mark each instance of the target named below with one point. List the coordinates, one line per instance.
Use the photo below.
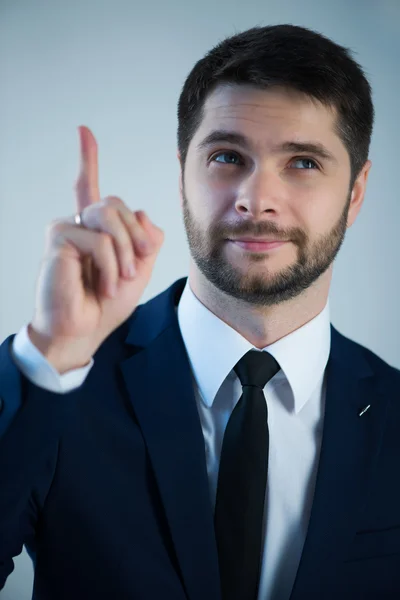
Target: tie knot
(256, 368)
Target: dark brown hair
(289, 56)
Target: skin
(230, 190)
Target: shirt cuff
(39, 371)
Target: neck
(262, 325)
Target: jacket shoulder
(378, 365)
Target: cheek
(316, 212)
(208, 202)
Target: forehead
(269, 116)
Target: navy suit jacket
(107, 485)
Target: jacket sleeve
(10, 386)
(31, 422)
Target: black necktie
(242, 479)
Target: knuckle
(136, 223)
(113, 201)
(130, 218)
(136, 227)
(107, 214)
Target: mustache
(264, 228)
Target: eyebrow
(238, 139)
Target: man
(223, 440)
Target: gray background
(118, 66)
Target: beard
(262, 288)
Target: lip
(257, 245)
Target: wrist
(63, 354)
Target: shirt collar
(214, 348)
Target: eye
(227, 158)
(309, 163)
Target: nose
(261, 194)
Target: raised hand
(92, 275)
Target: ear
(358, 193)
(180, 177)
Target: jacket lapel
(160, 387)
(349, 451)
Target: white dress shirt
(295, 398)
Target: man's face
(246, 179)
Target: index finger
(87, 185)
